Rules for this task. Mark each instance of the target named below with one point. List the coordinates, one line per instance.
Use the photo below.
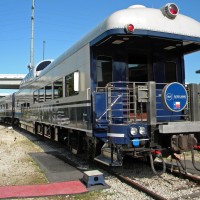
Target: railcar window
(43, 65)
(18, 101)
(69, 85)
(137, 66)
(41, 95)
(170, 72)
(35, 96)
(104, 70)
(58, 88)
(48, 92)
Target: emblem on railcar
(175, 97)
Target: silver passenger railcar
(120, 90)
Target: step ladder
(94, 177)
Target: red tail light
(173, 9)
(130, 28)
(170, 10)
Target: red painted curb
(62, 188)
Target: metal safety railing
(130, 102)
(122, 102)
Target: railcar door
(102, 75)
(110, 68)
(138, 70)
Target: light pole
(43, 48)
(32, 36)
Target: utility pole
(32, 36)
(43, 48)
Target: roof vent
(137, 6)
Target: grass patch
(99, 194)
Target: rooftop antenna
(32, 36)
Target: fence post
(151, 104)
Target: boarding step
(106, 152)
(106, 158)
(107, 161)
(94, 177)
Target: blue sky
(60, 23)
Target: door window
(170, 72)
(104, 70)
(58, 88)
(165, 72)
(137, 68)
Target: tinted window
(104, 70)
(41, 95)
(69, 85)
(170, 72)
(137, 66)
(35, 97)
(58, 88)
(48, 92)
(43, 65)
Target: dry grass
(16, 166)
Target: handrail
(108, 108)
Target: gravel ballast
(18, 168)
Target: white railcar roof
(143, 19)
(151, 19)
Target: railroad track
(137, 186)
(189, 190)
(173, 186)
(195, 194)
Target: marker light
(136, 142)
(142, 131)
(130, 28)
(133, 131)
(170, 10)
(173, 9)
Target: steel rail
(133, 183)
(139, 187)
